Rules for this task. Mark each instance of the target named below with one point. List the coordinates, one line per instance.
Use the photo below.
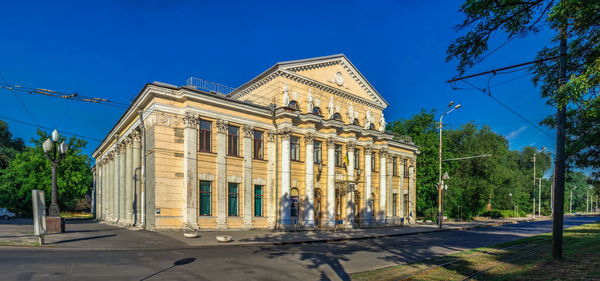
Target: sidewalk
(89, 234)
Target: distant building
(301, 145)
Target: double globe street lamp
(55, 152)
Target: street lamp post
(55, 152)
(571, 200)
(440, 183)
(534, 158)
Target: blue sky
(111, 49)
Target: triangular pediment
(337, 72)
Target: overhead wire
(47, 128)
(21, 102)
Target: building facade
(301, 145)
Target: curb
(280, 243)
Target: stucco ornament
(331, 107)
(368, 120)
(382, 123)
(351, 112)
(309, 101)
(286, 95)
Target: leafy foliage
(31, 170)
(575, 20)
(9, 146)
(503, 180)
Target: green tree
(576, 20)
(9, 146)
(31, 170)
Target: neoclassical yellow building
(302, 145)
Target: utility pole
(534, 159)
(440, 179)
(559, 186)
(540, 197)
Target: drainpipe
(143, 171)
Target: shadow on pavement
(83, 238)
(176, 263)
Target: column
(221, 174)
(247, 131)
(137, 175)
(286, 164)
(129, 181)
(382, 184)
(368, 203)
(190, 171)
(401, 189)
(116, 163)
(271, 178)
(331, 182)
(97, 206)
(351, 185)
(122, 183)
(110, 183)
(309, 210)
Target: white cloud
(512, 135)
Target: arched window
(294, 105)
(336, 116)
(295, 202)
(317, 111)
(356, 122)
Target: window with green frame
(205, 196)
(232, 202)
(258, 200)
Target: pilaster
(271, 178)
(115, 194)
(137, 178)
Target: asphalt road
(319, 261)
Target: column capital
(383, 152)
(136, 135)
(248, 131)
(368, 149)
(128, 140)
(122, 146)
(222, 126)
(309, 138)
(330, 142)
(286, 133)
(351, 145)
(271, 136)
(190, 120)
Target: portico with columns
(303, 145)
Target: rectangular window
(205, 194)
(318, 152)
(338, 155)
(258, 199)
(395, 204)
(406, 175)
(232, 199)
(204, 136)
(394, 166)
(295, 148)
(373, 162)
(258, 145)
(233, 141)
(357, 159)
